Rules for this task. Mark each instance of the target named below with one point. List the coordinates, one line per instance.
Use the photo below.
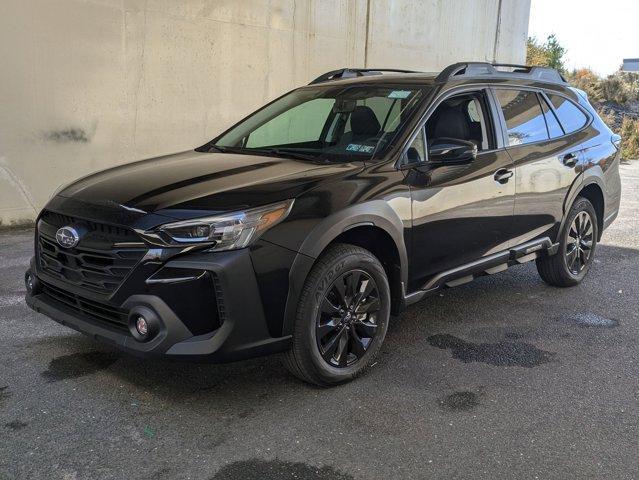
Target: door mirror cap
(451, 151)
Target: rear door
(546, 161)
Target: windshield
(329, 123)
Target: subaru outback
(301, 229)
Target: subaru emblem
(67, 237)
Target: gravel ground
(501, 378)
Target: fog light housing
(144, 323)
(31, 283)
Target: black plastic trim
(488, 265)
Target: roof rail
(477, 69)
(355, 72)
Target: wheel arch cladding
(376, 213)
(594, 194)
(378, 241)
(353, 225)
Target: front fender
(376, 213)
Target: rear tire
(578, 241)
(342, 317)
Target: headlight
(229, 231)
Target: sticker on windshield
(399, 94)
(354, 147)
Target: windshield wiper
(215, 148)
(279, 152)
(285, 152)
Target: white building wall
(88, 84)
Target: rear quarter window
(570, 116)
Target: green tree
(547, 54)
(555, 53)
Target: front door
(460, 212)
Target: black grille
(115, 233)
(98, 311)
(101, 261)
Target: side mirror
(451, 151)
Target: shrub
(630, 138)
(588, 81)
(609, 118)
(613, 89)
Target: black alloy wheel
(342, 317)
(347, 318)
(579, 243)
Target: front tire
(342, 317)
(577, 246)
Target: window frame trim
(543, 98)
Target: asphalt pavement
(504, 377)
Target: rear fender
(591, 176)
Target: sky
(598, 34)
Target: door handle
(570, 159)
(502, 175)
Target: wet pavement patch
(78, 365)
(460, 401)
(256, 469)
(16, 425)
(591, 320)
(502, 354)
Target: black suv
(302, 228)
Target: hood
(190, 184)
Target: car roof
(417, 78)
(462, 72)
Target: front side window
(461, 117)
(524, 119)
(570, 116)
(329, 122)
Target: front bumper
(241, 332)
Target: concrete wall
(87, 84)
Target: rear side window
(524, 119)
(570, 116)
(553, 125)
